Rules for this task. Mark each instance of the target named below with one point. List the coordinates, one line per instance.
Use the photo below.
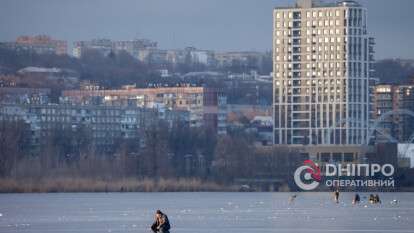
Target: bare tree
(14, 142)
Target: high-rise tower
(322, 57)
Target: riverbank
(51, 185)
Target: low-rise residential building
(264, 128)
(153, 56)
(392, 104)
(406, 155)
(406, 97)
(197, 56)
(133, 47)
(106, 124)
(40, 44)
(67, 77)
(22, 95)
(206, 106)
(225, 59)
(105, 46)
(386, 100)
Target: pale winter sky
(224, 25)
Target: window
(348, 157)
(338, 22)
(325, 157)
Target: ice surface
(204, 213)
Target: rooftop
(320, 4)
(33, 69)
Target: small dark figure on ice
(374, 199)
(161, 223)
(356, 199)
(336, 196)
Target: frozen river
(203, 212)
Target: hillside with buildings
(130, 116)
(128, 109)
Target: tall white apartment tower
(322, 57)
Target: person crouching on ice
(161, 223)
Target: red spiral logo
(313, 169)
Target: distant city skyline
(230, 25)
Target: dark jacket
(164, 224)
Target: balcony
(296, 33)
(296, 15)
(297, 24)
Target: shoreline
(120, 185)
(88, 185)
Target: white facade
(322, 57)
(406, 151)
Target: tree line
(159, 152)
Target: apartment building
(40, 44)
(225, 59)
(206, 106)
(105, 123)
(23, 95)
(105, 46)
(391, 104)
(322, 62)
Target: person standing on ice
(356, 199)
(336, 196)
(161, 223)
